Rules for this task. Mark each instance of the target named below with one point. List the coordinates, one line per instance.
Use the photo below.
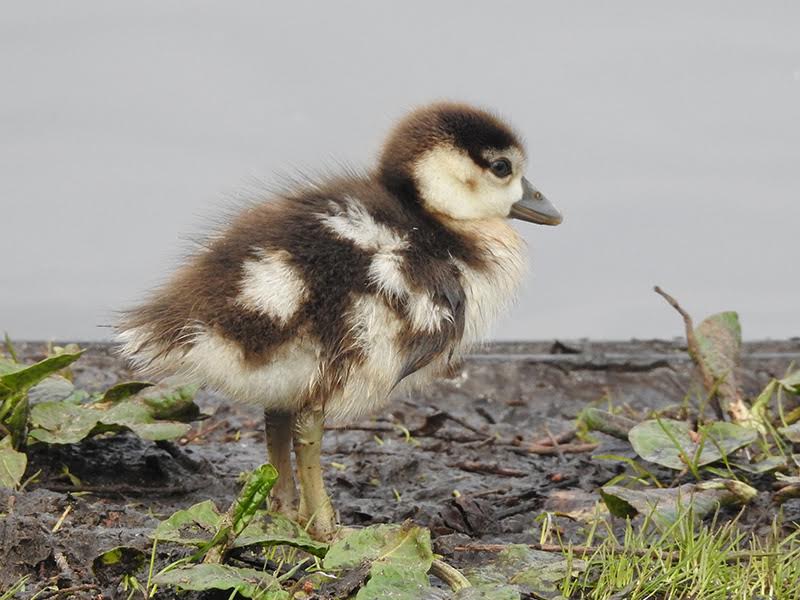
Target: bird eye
(501, 167)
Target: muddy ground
(466, 472)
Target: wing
(422, 348)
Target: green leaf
(171, 398)
(276, 530)
(669, 443)
(53, 389)
(166, 430)
(391, 580)
(17, 421)
(12, 464)
(61, 422)
(134, 415)
(121, 391)
(404, 544)
(791, 383)
(124, 406)
(719, 341)
(25, 377)
(253, 495)
(666, 505)
(791, 433)
(14, 386)
(489, 591)
(535, 571)
(195, 525)
(766, 465)
(249, 583)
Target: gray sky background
(668, 134)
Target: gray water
(669, 135)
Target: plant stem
(450, 575)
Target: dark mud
(452, 458)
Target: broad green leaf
(666, 505)
(254, 493)
(791, 433)
(249, 583)
(197, 524)
(404, 544)
(275, 530)
(14, 386)
(171, 398)
(791, 383)
(670, 443)
(61, 422)
(489, 591)
(26, 376)
(121, 391)
(54, 388)
(535, 571)
(391, 580)
(192, 526)
(763, 466)
(12, 464)
(719, 340)
(719, 343)
(136, 416)
(67, 422)
(160, 430)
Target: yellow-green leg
(315, 506)
(279, 427)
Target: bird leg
(315, 505)
(283, 498)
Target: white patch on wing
(452, 184)
(354, 223)
(385, 272)
(367, 385)
(425, 314)
(272, 285)
(385, 269)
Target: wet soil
(468, 457)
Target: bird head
(462, 163)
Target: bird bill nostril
(534, 207)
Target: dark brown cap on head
(465, 127)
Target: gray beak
(534, 207)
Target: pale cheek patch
(452, 184)
(355, 224)
(273, 286)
